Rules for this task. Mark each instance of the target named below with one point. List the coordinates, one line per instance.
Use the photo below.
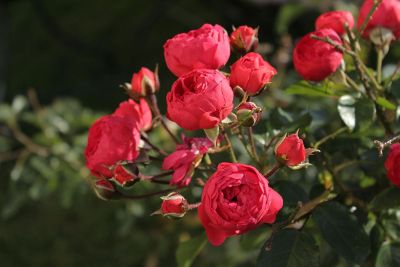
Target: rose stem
(152, 100)
(381, 145)
(369, 16)
(231, 151)
(276, 167)
(252, 143)
(330, 136)
(148, 194)
(154, 147)
(242, 140)
(379, 65)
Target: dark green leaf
(357, 114)
(291, 192)
(342, 231)
(188, 250)
(290, 248)
(389, 198)
(283, 120)
(388, 255)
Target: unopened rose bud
(104, 189)
(248, 114)
(290, 150)
(145, 82)
(382, 38)
(126, 175)
(174, 205)
(244, 39)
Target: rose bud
(392, 164)
(248, 114)
(335, 20)
(173, 205)
(185, 159)
(144, 83)
(205, 48)
(126, 175)
(235, 200)
(139, 113)
(290, 150)
(315, 60)
(200, 99)
(111, 139)
(251, 73)
(387, 15)
(244, 39)
(105, 190)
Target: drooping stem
(193, 206)
(152, 101)
(329, 136)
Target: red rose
(392, 164)
(204, 48)
(139, 113)
(173, 205)
(111, 139)
(251, 73)
(235, 200)
(315, 60)
(200, 99)
(244, 38)
(335, 20)
(387, 15)
(291, 150)
(185, 159)
(144, 82)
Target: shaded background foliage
(75, 54)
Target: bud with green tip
(248, 114)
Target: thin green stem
(231, 151)
(369, 16)
(243, 141)
(330, 136)
(379, 65)
(252, 143)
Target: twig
(231, 150)
(369, 16)
(252, 143)
(330, 136)
(154, 147)
(152, 101)
(328, 40)
(274, 169)
(382, 145)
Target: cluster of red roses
(237, 197)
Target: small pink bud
(290, 150)
(145, 82)
(174, 205)
(248, 114)
(244, 39)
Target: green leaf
(357, 113)
(385, 103)
(188, 250)
(291, 192)
(342, 231)
(290, 248)
(388, 255)
(283, 120)
(388, 198)
(308, 89)
(212, 133)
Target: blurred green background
(74, 54)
